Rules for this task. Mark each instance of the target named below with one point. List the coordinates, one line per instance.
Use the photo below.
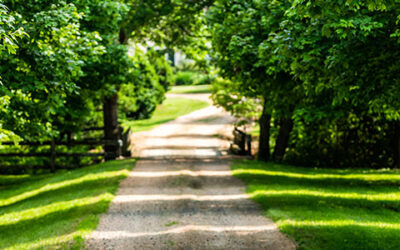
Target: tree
(44, 71)
(243, 45)
(8, 37)
(346, 56)
(76, 58)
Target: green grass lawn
(190, 89)
(171, 109)
(326, 208)
(56, 211)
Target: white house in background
(179, 57)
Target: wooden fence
(52, 153)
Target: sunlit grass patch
(171, 109)
(57, 210)
(327, 208)
(190, 89)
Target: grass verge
(191, 89)
(171, 109)
(57, 211)
(326, 208)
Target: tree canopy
(328, 67)
(326, 73)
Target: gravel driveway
(181, 194)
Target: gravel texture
(182, 195)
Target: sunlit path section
(182, 195)
(179, 173)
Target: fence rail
(53, 154)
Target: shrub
(226, 94)
(140, 96)
(205, 79)
(193, 78)
(162, 68)
(185, 78)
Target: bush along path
(182, 195)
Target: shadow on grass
(274, 173)
(328, 209)
(343, 236)
(25, 190)
(71, 192)
(51, 225)
(300, 200)
(8, 180)
(41, 213)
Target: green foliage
(345, 56)
(205, 79)
(185, 78)
(175, 24)
(187, 65)
(193, 78)
(162, 67)
(225, 94)
(143, 91)
(353, 141)
(44, 72)
(327, 209)
(8, 32)
(345, 53)
(329, 65)
(75, 55)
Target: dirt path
(181, 194)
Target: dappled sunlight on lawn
(60, 209)
(35, 213)
(391, 196)
(59, 185)
(328, 208)
(369, 176)
(50, 242)
(342, 223)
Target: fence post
(53, 156)
(125, 136)
(111, 130)
(248, 141)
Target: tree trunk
(171, 57)
(263, 148)
(111, 129)
(282, 141)
(110, 116)
(123, 38)
(396, 144)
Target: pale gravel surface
(182, 195)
